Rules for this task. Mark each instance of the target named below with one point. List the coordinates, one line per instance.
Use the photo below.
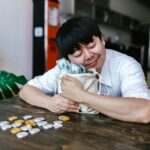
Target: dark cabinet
(101, 14)
(100, 11)
(104, 3)
(129, 23)
(83, 8)
(88, 7)
(108, 17)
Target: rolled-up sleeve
(47, 82)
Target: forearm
(34, 96)
(126, 109)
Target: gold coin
(11, 118)
(64, 118)
(15, 130)
(30, 123)
(20, 121)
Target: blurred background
(28, 29)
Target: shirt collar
(105, 72)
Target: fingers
(61, 105)
(70, 107)
(67, 77)
(68, 81)
(69, 102)
(60, 112)
(77, 104)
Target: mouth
(92, 64)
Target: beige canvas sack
(90, 82)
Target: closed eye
(77, 53)
(91, 45)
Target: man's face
(91, 55)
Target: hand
(59, 104)
(71, 88)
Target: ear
(103, 41)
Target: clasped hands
(69, 99)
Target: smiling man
(124, 94)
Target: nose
(88, 54)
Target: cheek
(101, 50)
(79, 60)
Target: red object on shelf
(52, 52)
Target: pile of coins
(29, 125)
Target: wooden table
(82, 132)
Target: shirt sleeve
(133, 83)
(47, 82)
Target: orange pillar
(52, 52)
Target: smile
(92, 64)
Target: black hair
(76, 31)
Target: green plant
(10, 84)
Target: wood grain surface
(81, 132)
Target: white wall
(16, 36)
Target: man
(124, 92)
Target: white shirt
(122, 76)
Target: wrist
(46, 101)
(82, 96)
